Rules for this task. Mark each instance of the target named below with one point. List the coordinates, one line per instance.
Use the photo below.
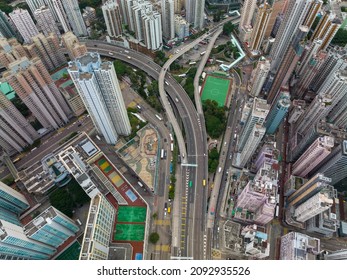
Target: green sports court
(104, 165)
(133, 214)
(129, 232)
(216, 89)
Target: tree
(61, 200)
(217, 16)
(154, 237)
(340, 38)
(228, 28)
(120, 68)
(215, 118)
(160, 55)
(5, 8)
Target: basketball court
(129, 232)
(216, 89)
(131, 214)
(104, 165)
(116, 179)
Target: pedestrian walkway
(162, 248)
(162, 222)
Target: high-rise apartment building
(10, 51)
(99, 229)
(309, 189)
(299, 246)
(181, 27)
(146, 23)
(326, 29)
(112, 16)
(70, 16)
(46, 48)
(313, 114)
(24, 23)
(195, 13)
(168, 22)
(259, 111)
(289, 62)
(151, 23)
(251, 144)
(278, 111)
(12, 204)
(15, 131)
(277, 8)
(51, 227)
(313, 156)
(6, 30)
(259, 29)
(259, 196)
(311, 61)
(334, 61)
(74, 47)
(256, 242)
(335, 87)
(35, 4)
(315, 205)
(35, 87)
(98, 86)
(326, 223)
(11, 200)
(125, 7)
(245, 25)
(268, 154)
(14, 242)
(335, 165)
(45, 21)
(259, 75)
(298, 12)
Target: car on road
(165, 206)
(129, 57)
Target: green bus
(190, 184)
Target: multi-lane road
(189, 231)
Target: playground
(133, 214)
(216, 89)
(129, 232)
(104, 165)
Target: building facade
(15, 131)
(299, 246)
(99, 229)
(258, 113)
(14, 242)
(168, 20)
(112, 16)
(45, 21)
(24, 23)
(313, 156)
(47, 49)
(98, 86)
(35, 87)
(181, 27)
(51, 227)
(259, 75)
(278, 111)
(74, 47)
